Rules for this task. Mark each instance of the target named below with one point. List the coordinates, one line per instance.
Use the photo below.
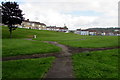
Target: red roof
(84, 30)
(56, 27)
(34, 22)
(78, 29)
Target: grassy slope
(94, 42)
(42, 35)
(27, 68)
(18, 46)
(98, 64)
(69, 39)
(64, 38)
(13, 47)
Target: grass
(27, 68)
(70, 39)
(94, 42)
(17, 46)
(97, 64)
(42, 35)
(13, 47)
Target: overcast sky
(74, 13)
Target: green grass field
(27, 68)
(94, 42)
(70, 39)
(42, 35)
(13, 47)
(97, 64)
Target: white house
(78, 31)
(103, 33)
(84, 32)
(111, 34)
(67, 31)
(92, 32)
(33, 25)
(51, 28)
(118, 34)
(63, 29)
(54, 28)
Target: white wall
(77, 32)
(92, 33)
(84, 32)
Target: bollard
(34, 36)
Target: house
(57, 28)
(54, 28)
(63, 29)
(51, 28)
(84, 32)
(116, 30)
(107, 33)
(67, 31)
(88, 32)
(33, 25)
(117, 33)
(92, 32)
(77, 31)
(97, 31)
(103, 33)
(111, 34)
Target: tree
(65, 26)
(11, 15)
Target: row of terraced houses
(114, 32)
(41, 26)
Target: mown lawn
(70, 39)
(27, 68)
(97, 64)
(42, 35)
(13, 47)
(94, 42)
(17, 46)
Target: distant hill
(105, 29)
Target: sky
(75, 14)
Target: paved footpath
(62, 66)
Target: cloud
(60, 12)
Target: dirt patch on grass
(66, 51)
(29, 56)
(79, 50)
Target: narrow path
(62, 67)
(29, 56)
(65, 50)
